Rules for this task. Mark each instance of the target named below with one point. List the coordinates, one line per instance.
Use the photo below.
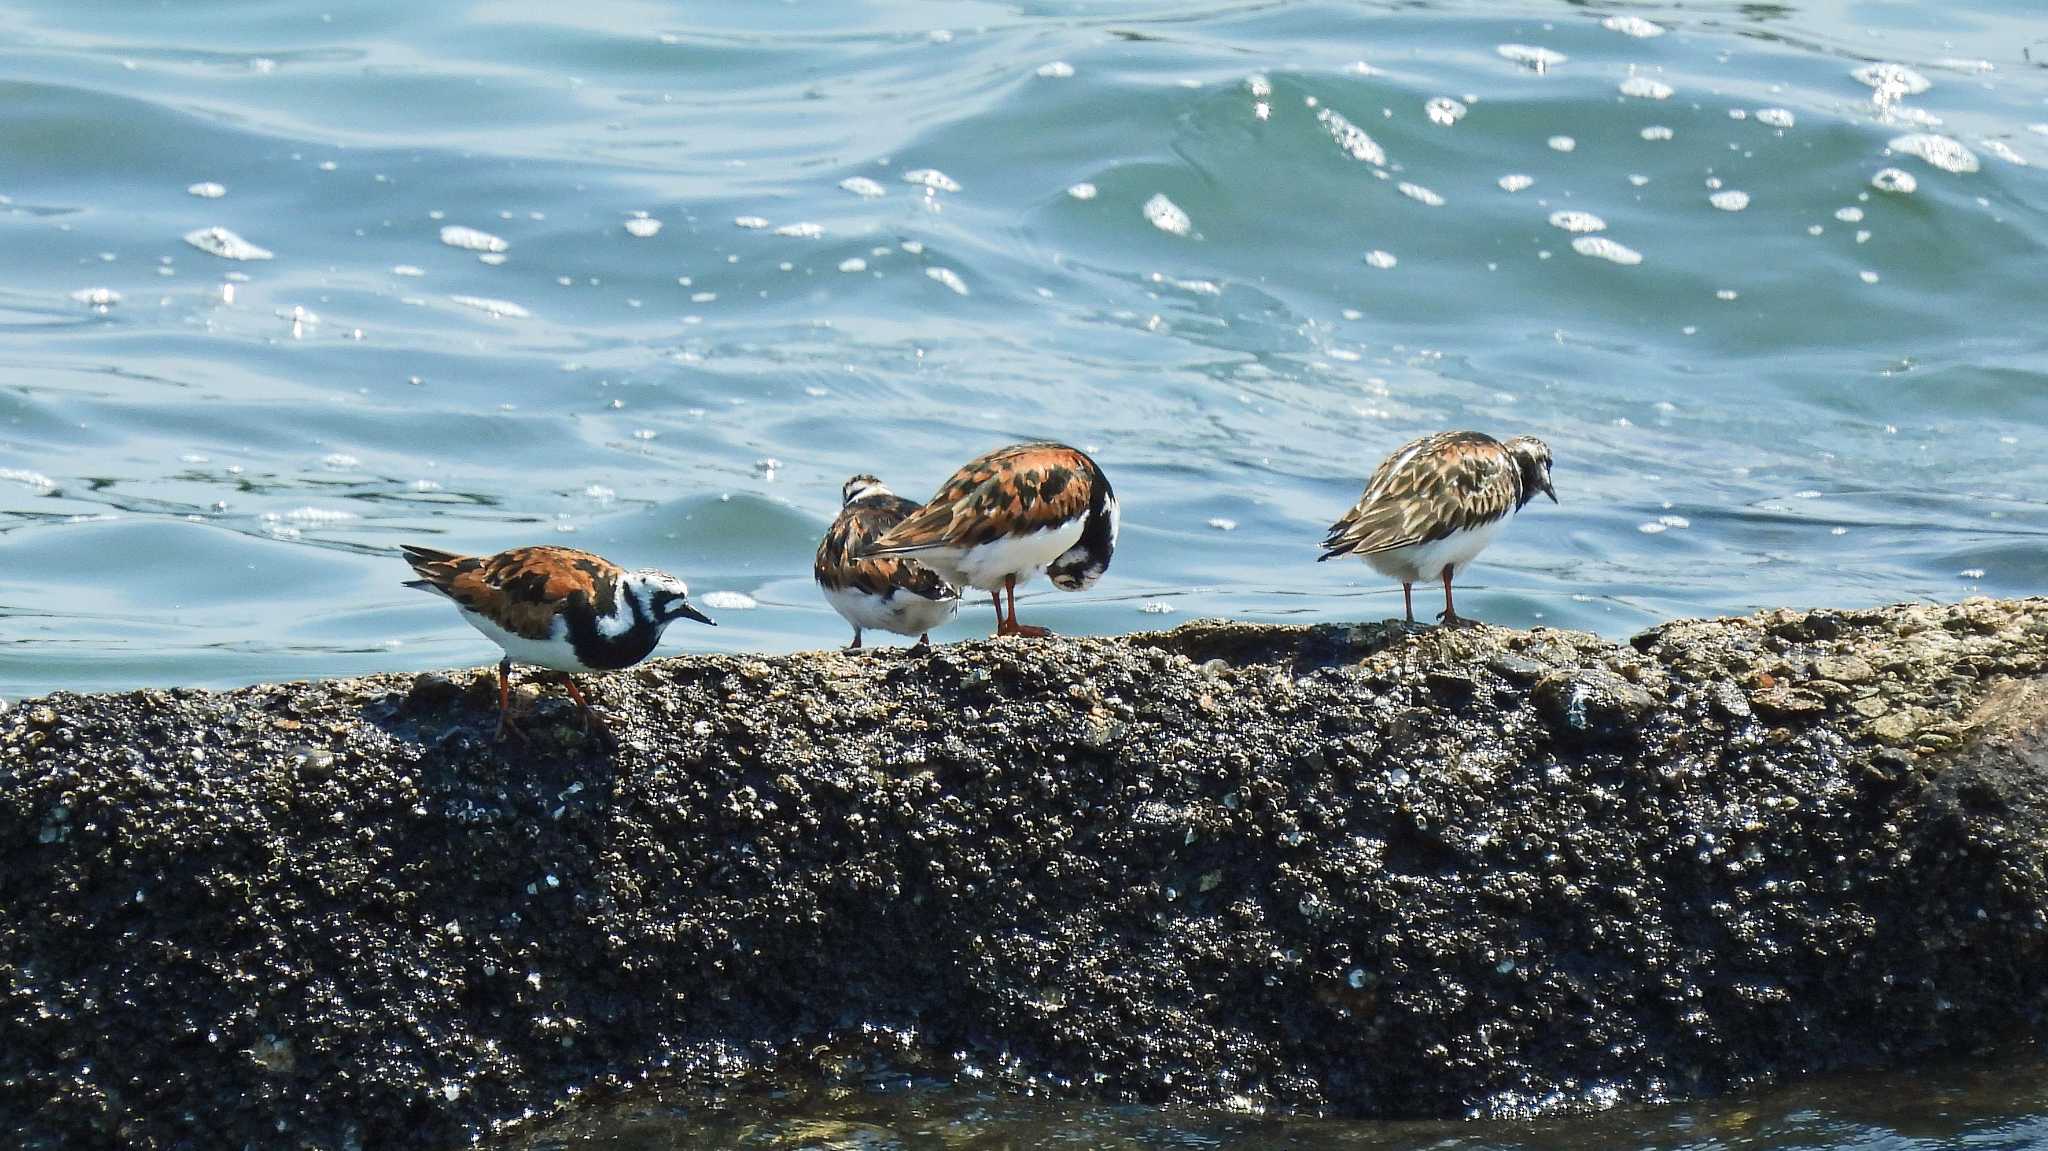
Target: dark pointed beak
(1551, 492)
(686, 611)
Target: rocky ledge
(1362, 870)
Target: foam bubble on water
(643, 227)
(471, 239)
(1444, 110)
(1352, 138)
(1651, 528)
(2003, 151)
(1889, 82)
(752, 223)
(1156, 607)
(1634, 26)
(1848, 215)
(1863, 235)
(1917, 117)
(853, 264)
(1646, 88)
(100, 298)
(1056, 70)
(1577, 221)
(1726, 294)
(410, 270)
(207, 190)
(1894, 180)
(1420, 194)
(931, 178)
(1380, 259)
(2038, 129)
(1081, 191)
(1515, 182)
(1562, 143)
(312, 516)
(1730, 200)
(1259, 86)
(1674, 521)
(1943, 152)
(1602, 248)
(801, 231)
(1656, 132)
(1777, 117)
(1868, 277)
(728, 601)
(1531, 57)
(1738, 113)
(35, 481)
(863, 187)
(1971, 573)
(948, 277)
(1223, 525)
(496, 308)
(220, 242)
(1167, 216)
(1638, 180)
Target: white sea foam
(1515, 182)
(1656, 132)
(492, 306)
(1943, 152)
(1380, 259)
(1634, 26)
(1444, 110)
(1730, 200)
(1577, 221)
(227, 245)
(1167, 216)
(931, 178)
(1352, 138)
(471, 239)
(1081, 191)
(863, 187)
(1895, 180)
(948, 277)
(1420, 194)
(207, 190)
(1646, 88)
(1602, 248)
(1531, 57)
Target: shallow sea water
(654, 280)
(1145, 228)
(1993, 1108)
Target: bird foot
(1448, 618)
(1025, 630)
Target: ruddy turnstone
(1436, 503)
(557, 608)
(887, 592)
(1007, 516)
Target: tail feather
(427, 585)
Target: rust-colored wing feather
(1011, 491)
(521, 589)
(1427, 490)
(859, 525)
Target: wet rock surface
(1364, 870)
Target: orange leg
(590, 717)
(1450, 617)
(505, 723)
(1002, 625)
(1013, 627)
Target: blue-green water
(1822, 394)
(204, 489)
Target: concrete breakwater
(1365, 870)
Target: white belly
(985, 566)
(1422, 563)
(553, 653)
(902, 613)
